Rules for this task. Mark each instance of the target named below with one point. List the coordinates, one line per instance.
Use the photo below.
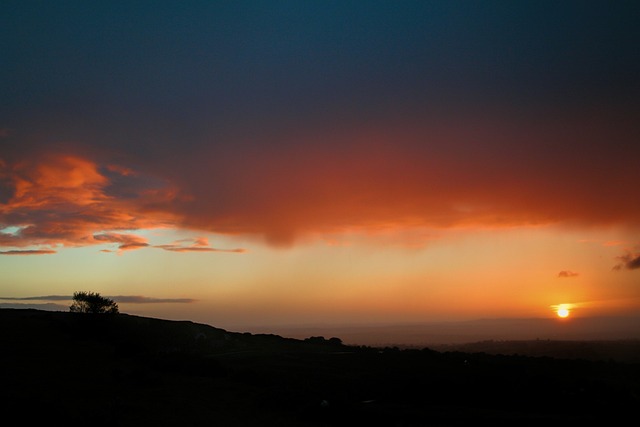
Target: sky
(252, 164)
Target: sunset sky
(265, 163)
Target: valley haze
(426, 334)
(457, 332)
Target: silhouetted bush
(93, 303)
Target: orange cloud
(201, 241)
(477, 172)
(67, 200)
(125, 241)
(200, 244)
(464, 172)
(60, 180)
(61, 199)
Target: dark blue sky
(215, 62)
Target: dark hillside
(130, 371)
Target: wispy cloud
(173, 248)
(45, 306)
(614, 243)
(126, 242)
(39, 298)
(28, 252)
(139, 299)
(567, 274)
(200, 244)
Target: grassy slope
(132, 371)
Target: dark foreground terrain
(123, 370)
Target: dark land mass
(123, 370)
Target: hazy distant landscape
(438, 333)
(123, 370)
(430, 334)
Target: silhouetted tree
(92, 302)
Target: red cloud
(480, 172)
(488, 172)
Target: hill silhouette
(123, 370)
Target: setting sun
(562, 310)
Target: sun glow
(562, 310)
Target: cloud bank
(415, 117)
(482, 173)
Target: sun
(562, 310)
